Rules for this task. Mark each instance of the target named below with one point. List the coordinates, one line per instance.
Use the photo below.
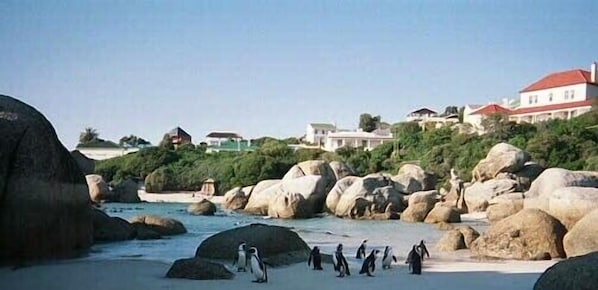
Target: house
(178, 136)
(421, 115)
(103, 149)
(217, 138)
(316, 133)
(562, 95)
(367, 140)
(232, 145)
(426, 117)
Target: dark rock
(144, 232)
(87, 165)
(163, 226)
(204, 207)
(577, 273)
(106, 228)
(198, 269)
(126, 191)
(45, 208)
(277, 245)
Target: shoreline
(178, 197)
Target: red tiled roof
(491, 109)
(552, 107)
(559, 79)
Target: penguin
(340, 263)
(258, 268)
(423, 250)
(369, 264)
(241, 259)
(414, 261)
(361, 250)
(388, 258)
(316, 257)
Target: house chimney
(594, 73)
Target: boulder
(313, 167)
(333, 197)
(528, 174)
(412, 178)
(570, 204)
(126, 191)
(98, 188)
(144, 232)
(87, 165)
(161, 225)
(499, 211)
(341, 170)
(478, 195)
(45, 207)
(108, 229)
(368, 196)
(451, 241)
(574, 273)
(237, 198)
(276, 245)
(261, 195)
(443, 214)
(430, 197)
(502, 157)
(198, 269)
(384, 203)
(203, 207)
(288, 205)
(416, 212)
(583, 236)
(554, 178)
(469, 235)
(523, 236)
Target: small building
(426, 117)
(235, 145)
(178, 136)
(217, 138)
(367, 140)
(561, 95)
(209, 187)
(104, 149)
(316, 133)
(421, 115)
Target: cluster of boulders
(145, 227)
(456, 238)
(100, 191)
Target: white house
(367, 140)
(425, 116)
(217, 138)
(562, 95)
(316, 133)
(103, 149)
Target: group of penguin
(258, 267)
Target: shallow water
(325, 232)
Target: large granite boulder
(289, 205)
(162, 225)
(276, 245)
(451, 241)
(108, 229)
(368, 195)
(45, 207)
(126, 191)
(469, 235)
(499, 211)
(502, 157)
(341, 170)
(237, 198)
(87, 165)
(412, 178)
(261, 195)
(420, 204)
(334, 196)
(526, 235)
(526, 175)
(583, 236)
(554, 178)
(577, 273)
(570, 204)
(478, 195)
(444, 214)
(313, 167)
(98, 188)
(198, 269)
(203, 207)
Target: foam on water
(325, 232)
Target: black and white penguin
(361, 250)
(258, 268)
(340, 263)
(423, 250)
(388, 258)
(316, 257)
(241, 259)
(369, 264)
(414, 260)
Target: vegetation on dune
(568, 144)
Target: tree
(88, 135)
(368, 123)
(451, 110)
(497, 126)
(132, 141)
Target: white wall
(558, 95)
(105, 153)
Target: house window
(566, 95)
(339, 143)
(364, 143)
(550, 97)
(536, 99)
(530, 99)
(572, 94)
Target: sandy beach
(148, 275)
(182, 197)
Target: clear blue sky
(270, 67)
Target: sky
(268, 68)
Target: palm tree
(89, 135)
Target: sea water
(326, 232)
